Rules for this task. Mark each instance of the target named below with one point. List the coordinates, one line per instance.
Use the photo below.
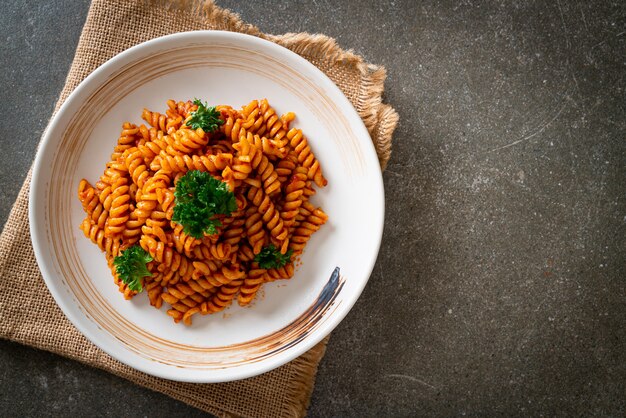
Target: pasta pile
(268, 166)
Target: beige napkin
(28, 313)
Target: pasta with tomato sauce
(202, 205)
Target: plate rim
(38, 194)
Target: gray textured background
(499, 288)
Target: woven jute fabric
(28, 313)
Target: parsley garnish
(199, 197)
(130, 266)
(270, 257)
(205, 117)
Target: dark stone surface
(499, 288)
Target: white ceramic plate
(292, 316)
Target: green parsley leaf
(130, 266)
(205, 117)
(270, 257)
(199, 197)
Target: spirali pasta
(265, 167)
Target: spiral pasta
(268, 166)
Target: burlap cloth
(28, 312)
